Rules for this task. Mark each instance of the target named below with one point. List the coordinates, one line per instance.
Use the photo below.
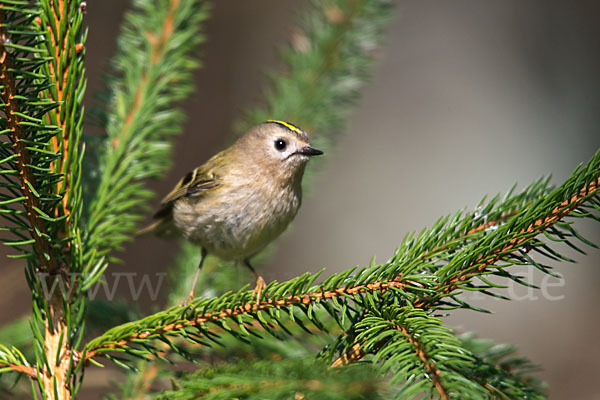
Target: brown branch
(37, 228)
(503, 217)
(23, 369)
(248, 307)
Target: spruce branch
(515, 242)
(28, 82)
(512, 243)
(16, 125)
(13, 358)
(176, 319)
(31, 77)
(153, 72)
(416, 353)
(432, 371)
(65, 41)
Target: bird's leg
(260, 282)
(191, 295)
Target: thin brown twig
(23, 369)
(432, 371)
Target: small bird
(242, 198)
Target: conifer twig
(31, 372)
(26, 177)
(559, 212)
(157, 49)
(153, 72)
(356, 352)
(248, 307)
(59, 68)
(433, 372)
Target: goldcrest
(242, 198)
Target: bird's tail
(160, 227)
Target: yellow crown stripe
(291, 127)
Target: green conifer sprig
(17, 350)
(64, 42)
(419, 352)
(42, 89)
(12, 360)
(153, 71)
(508, 244)
(424, 357)
(29, 199)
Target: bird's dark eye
(280, 144)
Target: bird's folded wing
(193, 184)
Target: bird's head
(279, 148)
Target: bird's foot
(191, 295)
(258, 289)
(188, 300)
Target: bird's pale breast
(238, 221)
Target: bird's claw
(258, 289)
(188, 300)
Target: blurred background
(466, 99)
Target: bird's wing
(193, 184)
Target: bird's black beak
(309, 151)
